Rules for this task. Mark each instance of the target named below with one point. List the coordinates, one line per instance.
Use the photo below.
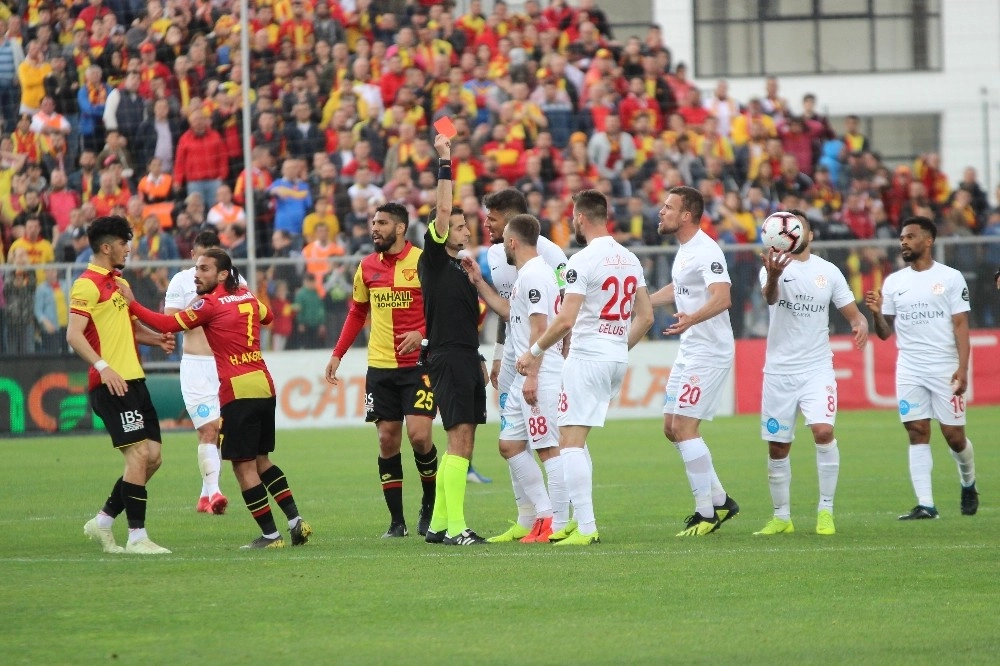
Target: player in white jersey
(528, 408)
(927, 304)
(200, 382)
(799, 288)
(605, 290)
(700, 288)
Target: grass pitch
(878, 591)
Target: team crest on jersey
(693, 380)
(409, 274)
(717, 268)
(682, 263)
(571, 276)
(427, 381)
(820, 281)
(198, 305)
(965, 294)
(535, 410)
(534, 295)
(829, 390)
(937, 289)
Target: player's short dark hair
(592, 204)
(107, 228)
(799, 213)
(207, 238)
(397, 211)
(691, 200)
(224, 262)
(925, 223)
(526, 227)
(508, 201)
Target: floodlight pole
(251, 276)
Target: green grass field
(878, 591)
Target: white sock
(104, 521)
(921, 465)
(272, 535)
(558, 493)
(525, 509)
(779, 478)
(718, 492)
(698, 465)
(528, 472)
(580, 484)
(590, 461)
(966, 464)
(136, 535)
(828, 470)
(292, 522)
(209, 463)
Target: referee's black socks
(276, 483)
(390, 473)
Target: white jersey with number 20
(607, 275)
(700, 263)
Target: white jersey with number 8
(607, 275)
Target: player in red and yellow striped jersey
(101, 332)
(397, 388)
(231, 317)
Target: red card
(446, 127)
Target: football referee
(451, 309)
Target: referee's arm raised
(442, 220)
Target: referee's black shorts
(246, 429)
(130, 418)
(391, 394)
(459, 388)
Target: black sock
(257, 505)
(276, 483)
(390, 472)
(115, 503)
(427, 466)
(134, 501)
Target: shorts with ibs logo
(132, 421)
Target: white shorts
(929, 397)
(694, 391)
(538, 424)
(507, 376)
(588, 388)
(815, 393)
(200, 388)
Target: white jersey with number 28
(607, 275)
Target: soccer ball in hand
(782, 231)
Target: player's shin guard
(276, 483)
(427, 467)
(921, 466)
(558, 492)
(257, 505)
(580, 484)
(134, 499)
(698, 465)
(779, 479)
(828, 470)
(966, 462)
(115, 503)
(390, 472)
(209, 463)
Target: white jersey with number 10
(607, 275)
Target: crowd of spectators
(134, 107)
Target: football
(782, 231)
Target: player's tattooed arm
(883, 323)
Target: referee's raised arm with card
(451, 308)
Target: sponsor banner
(306, 400)
(866, 379)
(45, 394)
